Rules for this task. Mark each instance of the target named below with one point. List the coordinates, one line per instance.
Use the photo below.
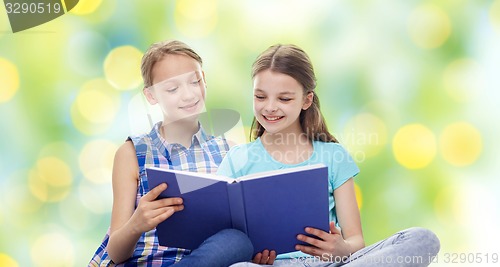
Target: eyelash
(281, 99)
(175, 89)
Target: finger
(155, 192)
(166, 202)
(265, 257)
(162, 216)
(257, 258)
(158, 212)
(314, 251)
(334, 229)
(272, 257)
(311, 240)
(317, 232)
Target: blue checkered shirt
(204, 155)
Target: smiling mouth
(272, 118)
(190, 106)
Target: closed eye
(260, 97)
(196, 82)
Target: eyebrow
(280, 93)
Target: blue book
(272, 208)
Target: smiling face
(178, 87)
(278, 101)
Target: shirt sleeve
(343, 166)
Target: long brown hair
(294, 62)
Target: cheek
(203, 92)
(257, 105)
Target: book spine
(237, 207)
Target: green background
(411, 88)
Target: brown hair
(294, 62)
(156, 52)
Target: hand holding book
(272, 208)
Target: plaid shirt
(204, 155)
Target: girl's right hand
(151, 211)
(265, 257)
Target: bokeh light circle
(96, 160)
(495, 15)
(414, 146)
(460, 144)
(196, 18)
(365, 133)
(52, 250)
(50, 180)
(85, 7)
(95, 107)
(97, 198)
(7, 261)
(9, 77)
(429, 26)
(122, 68)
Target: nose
(271, 106)
(188, 93)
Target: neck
(180, 131)
(285, 139)
(289, 147)
(291, 136)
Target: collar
(198, 138)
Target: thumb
(334, 229)
(155, 192)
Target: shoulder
(334, 155)
(328, 145)
(330, 149)
(126, 155)
(126, 149)
(140, 138)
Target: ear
(149, 96)
(204, 80)
(308, 100)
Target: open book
(272, 208)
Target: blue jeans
(222, 249)
(411, 247)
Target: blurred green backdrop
(411, 88)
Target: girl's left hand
(327, 246)
(265, 257)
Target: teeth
(273, 118)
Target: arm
(127, 222)
(337, 243)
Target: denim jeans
(411, 247)
(222, 249)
